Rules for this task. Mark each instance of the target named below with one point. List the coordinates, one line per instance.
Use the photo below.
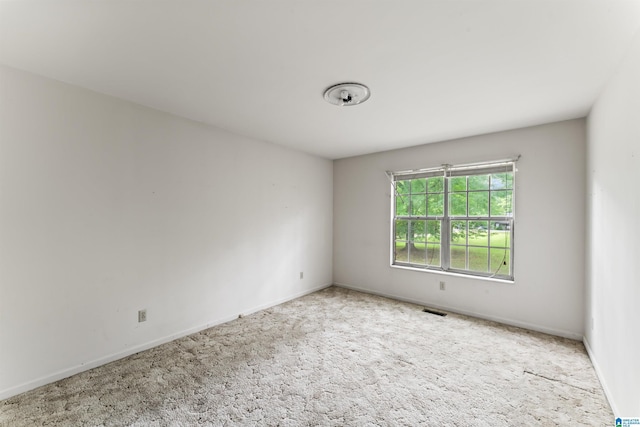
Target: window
(455, 219)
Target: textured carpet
(335, 357)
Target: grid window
(419, 205)
(456, 219)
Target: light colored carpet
(336, 357)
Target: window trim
(448, 172)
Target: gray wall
(613, 253)
(548, 293)
(107, 208)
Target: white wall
(107, 208)
(612, 322)
(548, 293)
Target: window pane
(402, 205)
(501, 203)
(402, 230)
(458, 183)
(417, 253)
(500, 225)
(459, 232)
(402, 187)
(501, 181)
(478, 233)
(458, 204)
(418, 231)
(479, 203)
(433, 254)
(433, 231)
(458, 257)
(479, 182)
(475, 246)
(418, 205)
(435, 185)
(401, 251)
(435, 204)
(509, 180)
(418, 185)
(500, 238)
(500, 263)
(478, 259)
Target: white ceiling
(436, 69)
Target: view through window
(456, 218)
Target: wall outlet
(442, 286)
(142, 315)
(301, 275)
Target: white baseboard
(65, 373)
(287, 298)
(603, 383)
(510, 322)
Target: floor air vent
(436, 312)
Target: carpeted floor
(336, 357)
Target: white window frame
(448, 172)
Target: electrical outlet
(142, 315)
(442, 286)
(301, 275)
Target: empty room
(289, 212)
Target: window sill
(447, 273)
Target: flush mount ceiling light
(345, 94)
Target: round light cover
(345, 94)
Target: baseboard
(506, 321)
(600, 376)
(65, 373)
(283, 300)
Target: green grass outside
(498, 239)
(478, 256)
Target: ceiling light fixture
(345, 94)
